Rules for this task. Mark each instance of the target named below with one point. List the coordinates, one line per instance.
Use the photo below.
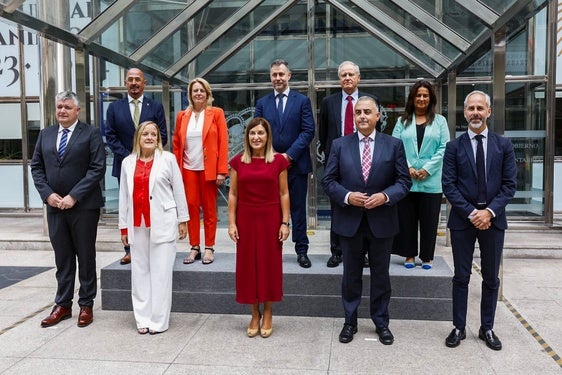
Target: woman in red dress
(258, 221)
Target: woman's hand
(125, 240)
(182, 229)
(284, 232)
(233, 232)
(220, 179)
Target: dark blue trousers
(491, 247)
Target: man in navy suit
(336, 120)
(67, 166)
(365, 185)
(290, 115)
(477, 212)
(123, 117)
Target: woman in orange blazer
(200, 145)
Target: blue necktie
(481, 170)
(62, 144)
(280, 106)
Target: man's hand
(481, 219)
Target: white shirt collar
(472, 134)
(140, 99)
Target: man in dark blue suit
(336, 120)
(478, 202)
(366, 175)
(67, 166)
(123, 117)
(290, 115)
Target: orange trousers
(200, 194)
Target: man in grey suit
(123, 117)
(336, 120)
(67, 166)
(366, 175)
(479, 187)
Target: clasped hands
(419, 174)
(56, 201)
(366, 201)
(481, 219)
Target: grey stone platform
(416, 294)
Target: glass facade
(232, 44)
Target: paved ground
(528, 321)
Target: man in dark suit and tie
(123, 117)
(336, 120)
(366, 175)
(67, 166)
(479, 180)
(290, 115)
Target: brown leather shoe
(126, 259)
(57, 314)
(86, 316)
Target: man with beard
(479, 180)
(123, 118)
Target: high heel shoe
(265, 333)
(253, 332)
(197, 256)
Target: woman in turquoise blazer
(424, 134)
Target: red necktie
(348, 122)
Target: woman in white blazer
(152, 212)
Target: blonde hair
(206, 87)
(138, 133)
(247, 155)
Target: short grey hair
(68, 95)
(355, 66)
(278, 62)
(486, 96)
(369, 99)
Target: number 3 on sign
(8, 69)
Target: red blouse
(141, 198)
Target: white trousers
(152, 268)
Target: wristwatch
(286, 223)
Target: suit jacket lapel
(75, 134)
(355, 152)
(207, 122)
(155, 166)
(378, 152)
(467, 145)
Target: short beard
(475, 125)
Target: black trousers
(73, 236)
(378, 250)
(418, 210)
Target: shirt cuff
(491, 211)
(124, 232)
(346, 199)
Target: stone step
(416, 294)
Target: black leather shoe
(303, 260)
(491, 339)
(347, 332)
(365, 261)
(334, 261)
(455, 337)
(385, 336)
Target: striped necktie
(62, 143)
(366, 159)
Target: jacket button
(150, 197)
